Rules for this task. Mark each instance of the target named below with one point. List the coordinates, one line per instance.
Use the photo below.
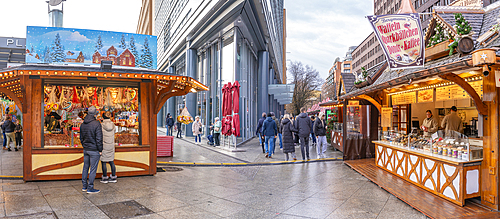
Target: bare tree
(306, 80)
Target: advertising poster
(89, 47)
(401, 39)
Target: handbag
(199, 129)
(216, 129)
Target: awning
(283, 93)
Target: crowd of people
(11, 132)
(289, 131)
(292, 131)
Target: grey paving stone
(140, 192)
(106, 197)
(2, 210)
(192, 197)
(84, 212)
(220, 207)
(15, 186)
(264, 201)
(149, 216)
(358, 208)
(60, 191)
(60, 203)
(315, 208)
(189, 212)
(25, 202)
(161, 203)
(371, 191)
(43, 215)
(289, 216)
(395, 209)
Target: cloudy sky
(318, 30)
(112, 15)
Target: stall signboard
(443, 93)
(478, 87)
(426, 96)
(386, 117)
(467, 3)
(401, 38)
(89, 47)
(404, 98)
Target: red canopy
(228, 99)
(236, 108)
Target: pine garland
(462, 27)
(439, 36)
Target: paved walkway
(306, 190)
(185, 150)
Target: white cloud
(76, 36)
(320, 31)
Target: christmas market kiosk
(53, 91)
(416, 141)
(52, 149)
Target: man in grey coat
(303, 125)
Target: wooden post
(27, 86)
(489, 166)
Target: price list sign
(405, 98)
(442, 93)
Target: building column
(263, 81)
(191, 97)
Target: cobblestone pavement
(305, 190)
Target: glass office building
(218, 42)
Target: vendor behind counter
(452, 121)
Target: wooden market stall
(334, 116)
(464, 78)
(52, 150)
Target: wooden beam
(482, 108)
(373, 101)
(13, 96)
(161, 96)
(166, 95)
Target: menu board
(443, 93)
(386, 117)
(404, 98)
(426, 96)
(456, 92)
(478, 87)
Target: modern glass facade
(218, 42)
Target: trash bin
(165, 146)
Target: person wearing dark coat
(179, 129)
(303, 126)
(92, 143)
(258, 132)
(313, 137)
(320, 132)
(287, 131)
(8, 127)
(270, 132)
(170, 124)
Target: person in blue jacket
(270, 132)
(259, 131)
(313, 137)
(170, 124)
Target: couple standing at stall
(98, 141)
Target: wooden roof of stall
(168, 85)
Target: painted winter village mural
(89, 47)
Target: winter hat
(92, 111)
(321, 114)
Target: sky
(318, 31)
(111, 15)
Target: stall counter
(450, 178)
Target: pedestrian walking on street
(91, 138)
(259, 131)
(270, 132)
(320, 132)
(170, 124)
(179, 129)
(313, 137)
(217, 129)
(3, 133)
(108, 149)
(277, 121)
(197, 130)
(303, 126)
(295, 134)
(287, 130)
(19, 134)
(8, 127)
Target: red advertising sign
(401, 38)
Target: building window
(347, 65)
(347, 70)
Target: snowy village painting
(89, 47)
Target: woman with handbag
(197, 130)
(217, 129)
